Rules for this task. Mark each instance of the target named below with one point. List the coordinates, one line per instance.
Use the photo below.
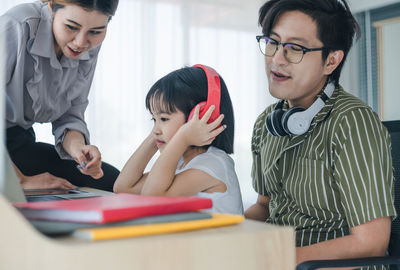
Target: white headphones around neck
(297, 120)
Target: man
(332, 181)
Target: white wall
(391, 59)
(362, 5)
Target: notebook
(58, 228)
(217, 220)
(112, 208)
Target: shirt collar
(43, 43)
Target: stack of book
(123, 215)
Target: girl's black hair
(182, 90)
(107, 7)
(336, 25)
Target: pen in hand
(81, 166)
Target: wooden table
(249, 245)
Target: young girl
(194, 158)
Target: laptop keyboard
(43, 198)
(71, 195)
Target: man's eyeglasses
(293, 52)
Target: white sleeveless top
(221, 166)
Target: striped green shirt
(335, 176)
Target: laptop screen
(9, 183)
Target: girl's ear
(332, 61)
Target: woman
(52, 50)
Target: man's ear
(332, 61)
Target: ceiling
(362, 5)
(243, 15)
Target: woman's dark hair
(336, 25)
(182, 90)
(107, 7)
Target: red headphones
(213, 96)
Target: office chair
(393, 259)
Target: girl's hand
(197, 132)
(88, 158)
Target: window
(370, 63)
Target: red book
(116, 207)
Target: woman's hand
(197, 132)
(42, 181)
(45, 181)
(89, 159)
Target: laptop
(9, 182)
(12, 189)
(35, 195)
